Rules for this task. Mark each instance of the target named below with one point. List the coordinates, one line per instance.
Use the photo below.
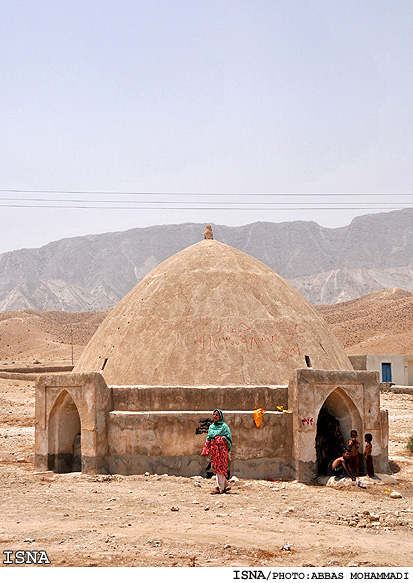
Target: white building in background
(392, 368)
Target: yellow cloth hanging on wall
(258, 416)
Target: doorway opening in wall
(329, 441)
(336, 419)
(386, 372)
(65, 453)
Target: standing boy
(368, 438)
(353, 446)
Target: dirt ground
(165, 521)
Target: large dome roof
(211, 315)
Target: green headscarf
(220, 428)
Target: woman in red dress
(218, 444)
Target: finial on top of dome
(208, 232)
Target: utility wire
(81, 203)
(199, 193)
(218, 208)
(254, 203)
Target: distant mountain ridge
(94, 272)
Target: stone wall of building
(171, 442)
(131, 430)
(65, 406)
(352, 397)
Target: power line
(146, 193)
(164, 204)
(218, 208)
(160, 202)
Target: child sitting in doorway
(340, 466)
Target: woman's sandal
(227, 489)
(216, 491)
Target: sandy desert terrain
(152, 520)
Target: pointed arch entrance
(336, 418)
(64, 435)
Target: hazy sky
(205, 98)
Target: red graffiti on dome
(226, 334)
(249, 343)
(190, 321)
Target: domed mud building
(210, 327)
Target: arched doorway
(337, 417)
(64, 436)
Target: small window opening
(104, 364)
(308, 361)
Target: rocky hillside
(94, 272)
(379, 323)
(29, 336)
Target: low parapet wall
(30, 373)
(37, 369)
(18, 376)
(399, 389)
(146, 398)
